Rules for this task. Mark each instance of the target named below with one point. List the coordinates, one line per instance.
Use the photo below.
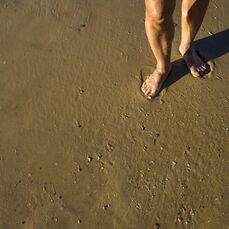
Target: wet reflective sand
(80, 147)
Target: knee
(159, 15)
(156, 17)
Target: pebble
(81, 91)
(79, 221)
(55, 219)
(105, 207)
(210, 33)
(78, 124)
(192, 212)
(89, 158)
(29, 204)
(152, 162)
(179, 220)
(99, 157)
(141, 173)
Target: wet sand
(81, 148)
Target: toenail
(148, 92)
(143, 87)
(144, 92)
(203, 68)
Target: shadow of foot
(210, 48)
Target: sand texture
(81, 148)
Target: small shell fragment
(89, 158)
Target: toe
(195, 72)
(145, 89)
(207, 68)
(198, 69)
(204, 66)
(152, 94)
(144, 86)
(148, 92)
(201, 69)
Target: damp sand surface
(81, 148)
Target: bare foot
(194, 62)
(153, 84)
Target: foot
(153, 84)
(194, 62)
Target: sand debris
(105, 207)
(99, 157)
(79, 221)
(89, 158)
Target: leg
(193, 12)
(160, 31)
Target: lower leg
(160, 31)
(193, 12)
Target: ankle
(163, 69)
(183, 48)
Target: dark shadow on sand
(210, 48)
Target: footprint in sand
(211, 64)
(212, 68)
